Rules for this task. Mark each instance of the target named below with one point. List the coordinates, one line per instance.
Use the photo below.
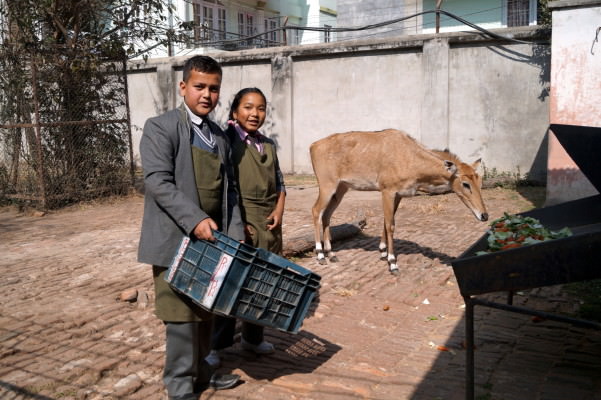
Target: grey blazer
(171, 204)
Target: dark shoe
(225, 381)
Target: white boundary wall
(479, 97)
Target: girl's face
(251, 112)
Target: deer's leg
(390, 203)
(383, 240)
(323, 199)
(327, 215)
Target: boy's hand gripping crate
(234, 279)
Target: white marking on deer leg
(321, 258)
(383, 252)
(392, 265)
(318, 250)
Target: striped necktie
(204, 133)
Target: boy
(189, 190)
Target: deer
(394, 163)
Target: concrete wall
(478, 97)
(576, 90)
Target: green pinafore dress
(257, 182)
(173, 306)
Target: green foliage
(100, 27)
(512, 231)
(544, 14)
(63, 104)
(589, 295)
(509, 180)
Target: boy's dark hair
(238, 97)
(201, 64)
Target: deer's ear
(476, 163)
(450, 166)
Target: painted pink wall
(575, 93)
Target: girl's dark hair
(204, 64)
(238, 97)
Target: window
(221, 23)
(246, 26)
(517, 12)
(272, 37)
(250, 24)
(520, 12)
(209, 21)
(241, 24)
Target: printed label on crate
(223, 266)
(177, 259)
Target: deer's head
(467, 184)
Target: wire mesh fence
(64, 129)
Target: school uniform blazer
(171, 204)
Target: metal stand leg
(469, 351)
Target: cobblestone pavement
(65, 333)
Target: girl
(262, 193)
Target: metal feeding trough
(571, 259)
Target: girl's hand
(248, 233)
(275, 218)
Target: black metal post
(469, 348)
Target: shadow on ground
(302, 353)
(519, 356)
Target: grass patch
(589, 295)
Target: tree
(99, 26)
(62, 93)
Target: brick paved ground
(65, 334)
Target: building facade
(416, 17)
(241, 24)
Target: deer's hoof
(322, 261)
(395, 272)
(334, 259)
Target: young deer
(392, 162)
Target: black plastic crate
(234, 279)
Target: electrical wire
(368, 27)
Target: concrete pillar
(575, 89)
(166, 81)
(281, 101)
(435, 94)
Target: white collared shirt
(195, 119)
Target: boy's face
(201, 92)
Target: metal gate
(65, 133)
